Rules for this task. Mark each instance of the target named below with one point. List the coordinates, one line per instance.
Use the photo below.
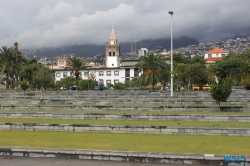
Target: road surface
(28, 161)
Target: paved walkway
(26, 161)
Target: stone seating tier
(121, 97)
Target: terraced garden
(148, 111)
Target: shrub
(87, 84)
(119, 86)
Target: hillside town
(235, 45)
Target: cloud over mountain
(45, 23)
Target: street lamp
(172, 81)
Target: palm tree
(8, 65)
(76, 64)
(154, 67)
(16, 45)
(16, 50)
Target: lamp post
(172, 81)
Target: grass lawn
(127, 112)
(127, 122)
(234, 145)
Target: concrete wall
(159, 117)
(127, 129)
(105, 106)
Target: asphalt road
(27, 161)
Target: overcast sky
(53, 23)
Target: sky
(56, 23)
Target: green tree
(181, 74)
(16, 45)
(24, 86)
(87, 84)
(228, 66)
(179, 58)
(197, 59)
(154, 68)
(43, 79)
(65, 82)
(8, 65)
(77, 64)
(221, 90)
(235, 65)
(119, 86)
(29, 69)
(187, 74)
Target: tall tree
(221, 90)
(29, 69)
(8, 65)
(191, 73)
(179, 58)
(77, 64)
(235, 65)
(43, 79)
(153, 65)
(16, 45)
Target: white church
(113, 72)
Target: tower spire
(112, 38)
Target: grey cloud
(46, 23)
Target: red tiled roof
(211, 59)
(216, 50)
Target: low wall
(146, 157)
(128, 108)
(127, 129)
(159, 117)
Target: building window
(127, 72)
(86, 73)
(209, 55)
(116, 81)
(101, 73)
(116, 73)
(222, 54)
(108, 73)
(108, 82)
(127, 80)
(61, 62)
(65, 74)
(112, 64)
(58, 74)
(109, 53)
(113, 53)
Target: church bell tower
(112, 58)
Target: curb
(125, 156)
(126, 129)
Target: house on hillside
(214, 55)
(62, 63)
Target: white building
(215, 53)
(112, 58)
(112, 73)
(142, 52)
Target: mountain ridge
(89, 50)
